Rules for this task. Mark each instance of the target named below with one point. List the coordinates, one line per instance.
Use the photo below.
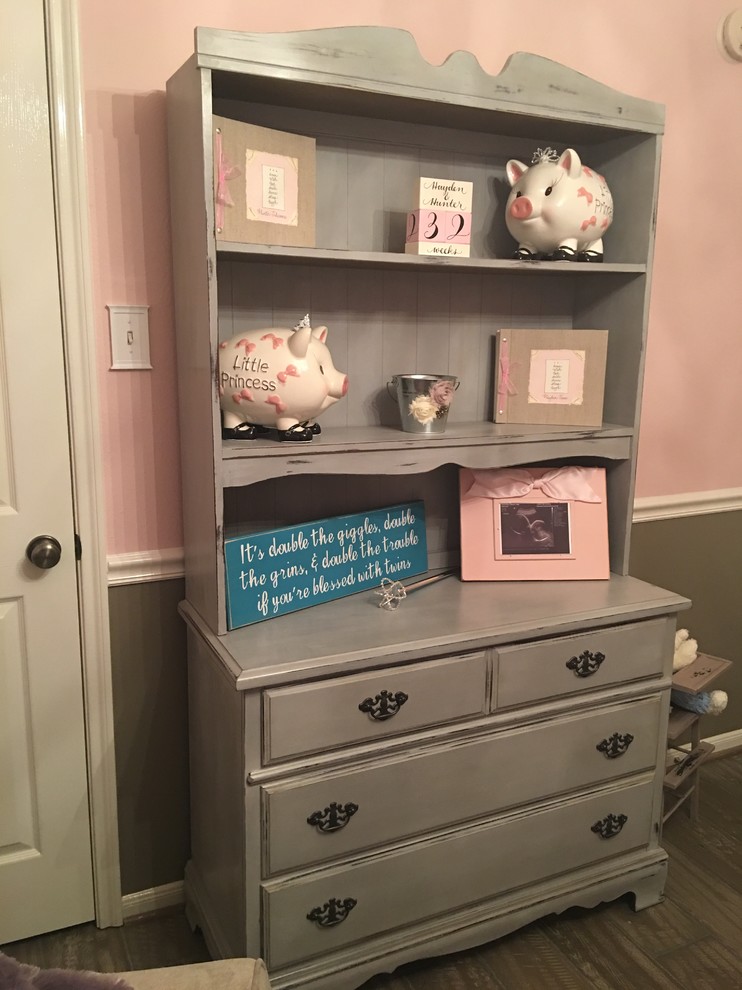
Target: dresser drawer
(363, 707)
(341, 813)
(587, 662)
(387, 892)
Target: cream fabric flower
(423, 409)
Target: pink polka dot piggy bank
(558, 209)
(277, 379)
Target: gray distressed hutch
(331, 843)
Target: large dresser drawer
(387, 892)
(587, 662)
(340, 813)
(363, 707)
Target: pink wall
(662, 50)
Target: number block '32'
(441, 224)
(443, 232)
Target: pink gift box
(534, 524)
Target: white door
(45, 853)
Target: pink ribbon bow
(224, 172)
(568, 484)
(505, 385)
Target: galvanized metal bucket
(423, 401)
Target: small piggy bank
(558, 209)
(278, 379)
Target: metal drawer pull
(334, 817)
(609, 826)
(615, 745)
(332, 912)
(586, 663)
(384, 705)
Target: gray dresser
(373, 787)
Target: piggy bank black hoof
(593, 256)
(315, 428)
(245, 431)
(562, 254)
(296, 434)
(523, 254)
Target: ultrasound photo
(535, 529)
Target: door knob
(44, 551)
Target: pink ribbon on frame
(506, 383)
(569, 484)
(505, 386)
(224, 172)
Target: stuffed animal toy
(704, 703)
(686, 650)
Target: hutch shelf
(370, 788)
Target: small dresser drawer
(360, 708)
(550, 668)
(338, 814)
(335, 908)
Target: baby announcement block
(284, 570)
(441, 222)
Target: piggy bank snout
(344, 390)
(521, 208)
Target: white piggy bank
(277, 378)
(558, 209)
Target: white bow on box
(569, 484)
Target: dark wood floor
(692, 941)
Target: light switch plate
(129, 327)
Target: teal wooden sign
(284, 570)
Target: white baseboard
(726, 741)
(169, 895)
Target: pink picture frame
(534, 524)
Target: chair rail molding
(141, 566)
(655, 507)
(144, 566)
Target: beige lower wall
(150, 706)
(701, 557)
(696, 556)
